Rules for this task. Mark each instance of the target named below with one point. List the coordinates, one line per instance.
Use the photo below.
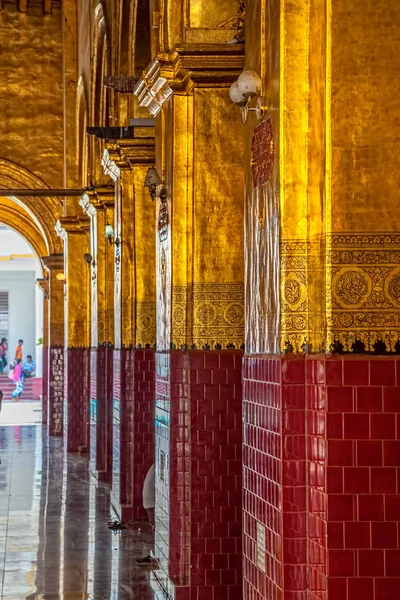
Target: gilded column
(99, 207)
(200, 310)
(54, 265)
(75, 233)
(133, 399)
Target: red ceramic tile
(335, 535)
(356, 426)
(335, 482)
(340, 453)
(357, 535)
(383, 480)
(382, 372)
(383, 426)
(371, 563)
(334, 372)
(369, 453)
(392, 563)
(355, 372)
(391, 399)
(340, 507)
(335, 426)
(293, 370)
(356, 480)
(340, 399)
(369, 399)
(337, 588)
(371, 508)
(392, 453)
(360, 588)
(383, 535)
(341, 563)
(392, 508)
(387, 589)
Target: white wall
(18, 276)
(21, 290)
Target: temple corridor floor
(54, 536)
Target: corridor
(54, 536)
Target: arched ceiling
(20, 221)
(42, 211)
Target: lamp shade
(236, 96)
(152, 178)
(109, 232)
(249, 84)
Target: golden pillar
(135, 324)
(126, 162)
(54, 265)
(99, 207)
(200, 299)
(199, 237)
(75, 233)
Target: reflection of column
(75, 233)
(133, 400)
(99, 206)
(43, 284)
(200, 315)
(54, 323)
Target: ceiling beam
(23, 6)
(47, 6)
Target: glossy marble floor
(54, 538)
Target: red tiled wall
(55, 390)
(143, 425)
(351, 508)
(101, 412)
(76, 399)
(45, 394)
(274, 479)
(199, 500)
(363, 485)
(133, 428)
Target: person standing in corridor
(18, 350)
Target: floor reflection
(54, 539)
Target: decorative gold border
(208, 314)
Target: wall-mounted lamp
(89, 260)
(61, 277)
(156, 187)
(247, 86)
(110, 235)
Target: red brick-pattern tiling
(199, 431)
(274, 479)
(134, 425)
(45, 396)
(363, 485)
(101, 413)
(351, 509)
(143, 423)
(76, 390)
(55, 390)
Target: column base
(321, 465)
(133, 429)
(76, 400)
(199, 474)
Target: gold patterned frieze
(208, 314)
(302, 309)
(145, 324)
(363, 292)
(185, 67)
